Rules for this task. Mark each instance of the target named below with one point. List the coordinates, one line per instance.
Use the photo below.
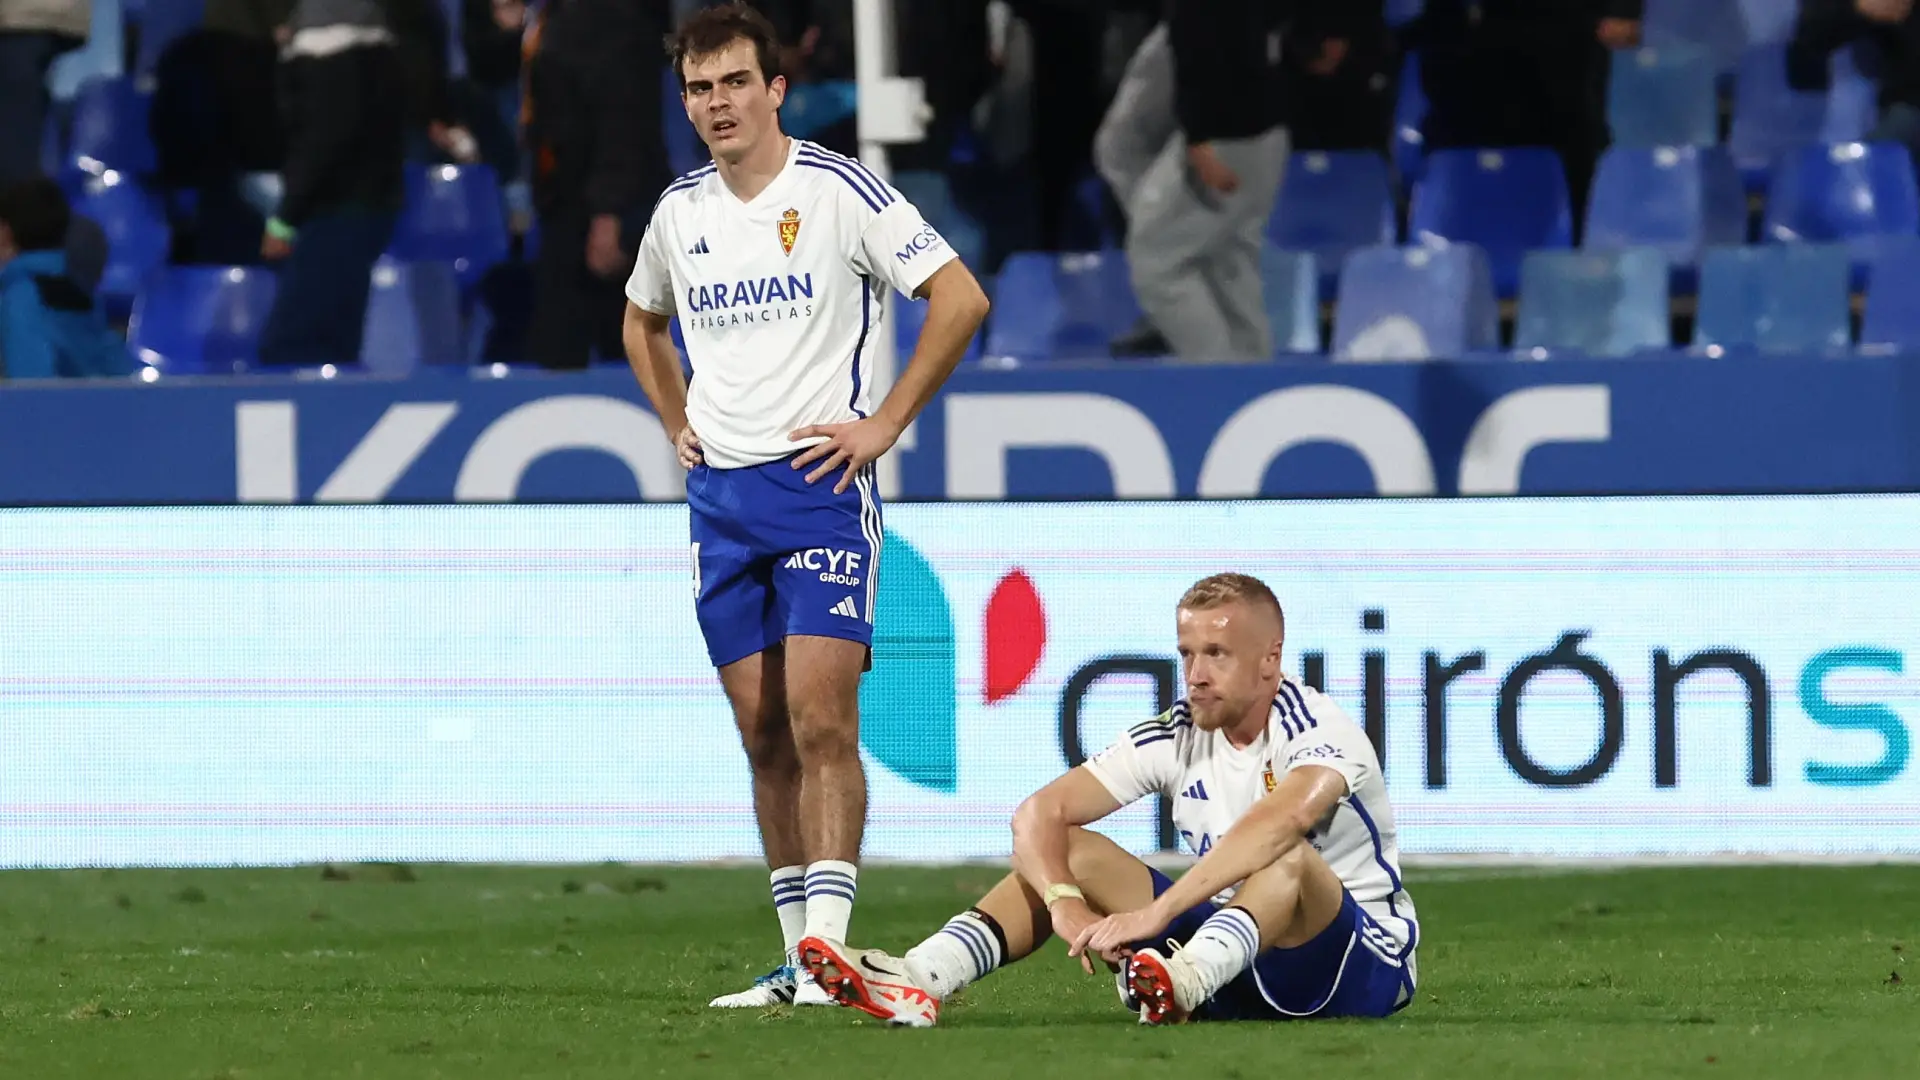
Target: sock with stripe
(966, 949)
(830, 890)
(1223, 948)
(790, 904)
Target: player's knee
(826, 736)
(770, 749)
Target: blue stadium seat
(1858, 194)
(1507, 202)
(452, 213)
(1663, 97)
(932, 195)
(1593, 303)
(685, 151)
(1060, 307)
(1290, 281)
(102, 56)
(1330, 204)
(1714, 25)
(1892, 321)
(413, 317)
(1409, 113)
(1768, 22)
(1774, 298)
(1679, 199)
(191, 320)
(1401, 12)
(138, 238)
(109, 128)
(1771, 120)
(908, 317)
(1415, 303)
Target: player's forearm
(1257, 841)
(955, 311)
(656, 364)
(1040, 844)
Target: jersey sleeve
(1142, 762)
(650, 286)
(899, 247)
(1326, 738)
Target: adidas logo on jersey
(699, 248)
(1197, 791)
(845, 607)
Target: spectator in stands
(492, 32)
(50, 324)
(32, 34)
(436, 117)
(1891, 30)
(341, 80)
(592, 131)
(1198, 190)
(1523, 73)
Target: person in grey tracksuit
(1194, 147)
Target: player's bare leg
(823, 699)
(756, 689)
(1009, 923)
(1283, 906)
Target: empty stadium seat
(138, 238)
(1858, 194)
(932, 194)
(413, 317)
(101, 56)
(1507, 202)
(1330, 204)
(109, 128)
(455, 214)
(1290, 282)
(1415, 303)
(1593, 303)
(1060, 306)
(191, 320)
(1892, 321)
(1663, 97)
(1714, 25)
(1770, 119)
(1774, 298)
(1679, 199)
(1768, 22)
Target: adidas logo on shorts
(845, 607)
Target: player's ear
(778, 87)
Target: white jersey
(778, 296)
(1212, 786)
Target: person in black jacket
(1890, 31)
(340, 81)
(593, 134)
(1197, 204)
(1523, 73)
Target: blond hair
(1218, 589)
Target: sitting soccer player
(1295, 907)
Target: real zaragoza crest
(789, 229)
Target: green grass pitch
(604, 971)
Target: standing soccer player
(778, 259)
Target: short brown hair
(711, 29)
(1218, 589)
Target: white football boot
(1167, 987)
(877, 984)
(776, 987)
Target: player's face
(731, 104)
(1231, 654)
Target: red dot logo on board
(1016, 636)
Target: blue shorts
(1344, 971)
(774, 555)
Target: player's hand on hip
(855, 444)
(687, 446)
(1114, 935)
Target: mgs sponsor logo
(833, 565)
(924, 241)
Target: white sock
(1223, 948)
(965, 949)
(790, 904)
(830, 889)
